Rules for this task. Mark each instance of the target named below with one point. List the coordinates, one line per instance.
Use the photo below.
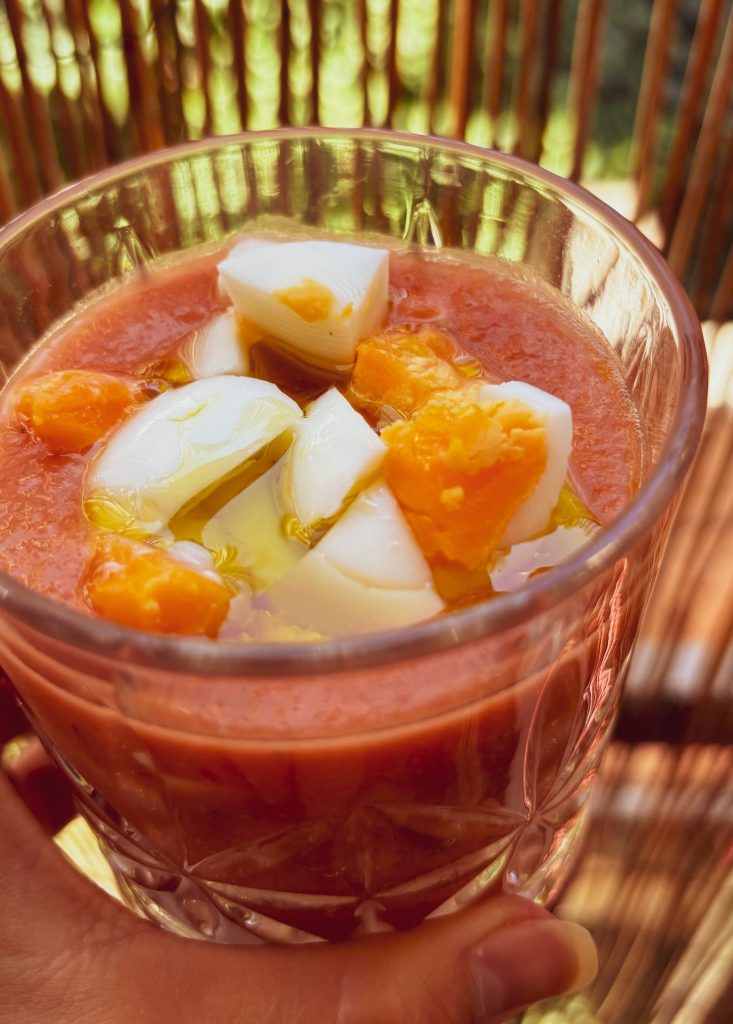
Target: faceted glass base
(197, 908)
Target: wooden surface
(655, 885)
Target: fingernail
(533, 960)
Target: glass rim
(194, 656)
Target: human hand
(68, 953)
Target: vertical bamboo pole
(683, 238)
(584, 72)
(643, 148)
(693, 96)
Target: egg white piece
(373, 543)
(533, 515)
(249, 530)
(356, 276)
(217, 348)
(248, 244)
(366, 574)
(316, 596)
(181, 443)
(512, 572)
(333, 452)
(194, 556)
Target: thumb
(479, 966)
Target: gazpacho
(299, 441)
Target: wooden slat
(145, 111)
(235, 17)
(202, 50)
(314, 10)
(681, 245)
(524, 110)
(362, 20)
(169, 63)
(463, 16)
(92, 107)
(38, 117)
(705, 514)
(26, 171)
(394, 84)
(692, 98)
(697, 989)
(584, 70)
(719, 228)
(284, 47)
(362, 15)
(705, 632)
(549, 45)
(721, 308)
(654, 864)
(433, 79)
(79, 14)
(643, 148)
(72, 137)
(498, 20)
(8, 205)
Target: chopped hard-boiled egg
(248, 534)
(374, 545)
(460, 469)
(138, 586)
(334, 451)
(180, 444)
(366, 574)
(220, 347)
(72, 409)
(403, 367)
(318, 298)
(245, 245)
(512, 572)
(533, 515)
(465, 468)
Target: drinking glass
(299, 792)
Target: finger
(527, 963)
(54, 927)
(36, 880)
(480, 966)
(49, 909)
(41, 785)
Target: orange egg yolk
(403, 368)
(310, 300)
(138, 586)
(72, 409)
(460, 469)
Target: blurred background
(634, 99)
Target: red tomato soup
(387, 788)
